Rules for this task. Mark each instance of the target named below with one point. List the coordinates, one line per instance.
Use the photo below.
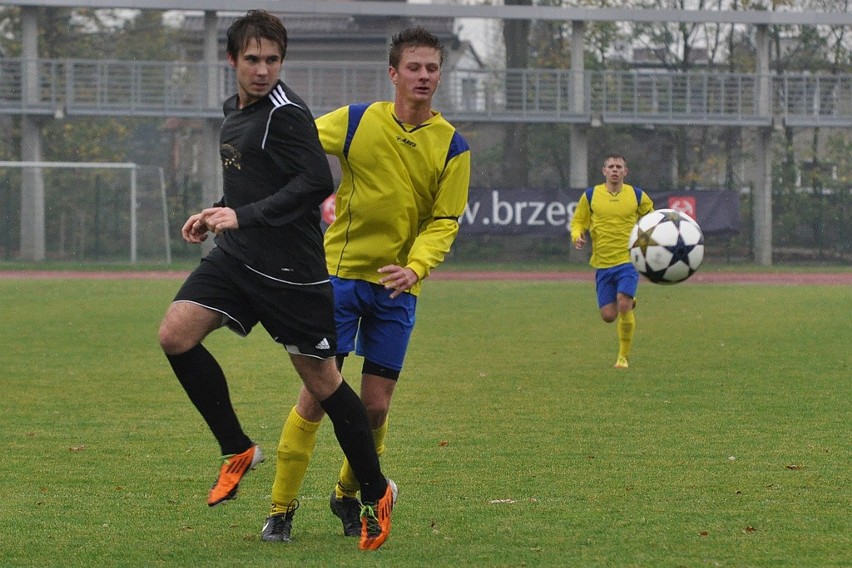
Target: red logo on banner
(327, 209)
(684, 205)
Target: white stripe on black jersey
(279, 99)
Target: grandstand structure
(44, 89)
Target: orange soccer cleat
(234, 467)
(376, 519)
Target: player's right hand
(194, 231)
(579, 242)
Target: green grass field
(514, 442)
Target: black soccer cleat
(348, 510)
(277, 527)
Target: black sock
(352, 428)
(203, 380)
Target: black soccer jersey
(275, 176)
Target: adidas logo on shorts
(323, 344)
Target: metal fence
(156, 88)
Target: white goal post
(132, 168)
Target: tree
(805, 175)
(74, 199)
(838, 185)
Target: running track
(773, 278)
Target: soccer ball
(666, 246)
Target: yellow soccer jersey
(401, 195)
(609, 219)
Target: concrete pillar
(211, 58)
(579, 149)
(32, 180)
(762, 194)
(211, 176)
(762, 199)
(579, 174)
(32, 192)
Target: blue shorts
(377, 327)
(609, 282)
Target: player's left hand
(397, 278)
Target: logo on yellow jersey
(406, 141)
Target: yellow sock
(347, 483)
(298, 438)
(626, 328)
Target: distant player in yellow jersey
(406, 172)
(607, 212)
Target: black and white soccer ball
(666, 246)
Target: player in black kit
(268, 266)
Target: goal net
(84, 211)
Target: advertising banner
(548, 212)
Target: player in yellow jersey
(607, 212)
(406, 172)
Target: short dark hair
(615, 157)
(256, 25)
(413, 37)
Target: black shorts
(299, 316)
